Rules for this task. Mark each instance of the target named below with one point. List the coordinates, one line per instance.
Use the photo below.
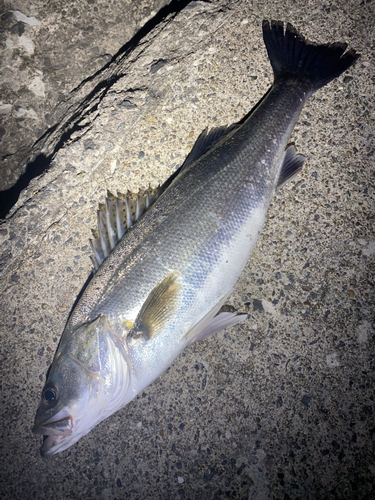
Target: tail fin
(292, 56)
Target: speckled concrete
(280, 407)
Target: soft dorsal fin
(114, 219)
(206, 140)
(292, 164)
(159, 306)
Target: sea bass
(166, 266)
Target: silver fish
(163, 276)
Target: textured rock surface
(49, 48)
(280, 407)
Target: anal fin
(292, 164)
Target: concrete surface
(281, 407)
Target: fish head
(89, 380)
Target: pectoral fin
(158, 308)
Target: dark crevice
(10, 196)
(41, 162)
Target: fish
(166, 260)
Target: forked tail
(292, 56)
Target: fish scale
(162, 285)
(220, 204)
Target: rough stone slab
(48, 49)
(279, 407)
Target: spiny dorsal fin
(292, 164)
(119, 213)
(157, 309)
(114, 219)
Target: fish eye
(50, 395)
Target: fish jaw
(59, 425)
(54, 431)
(50, 445)
(87, 388)
(61, 434)
(58, 435)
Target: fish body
(162, 285)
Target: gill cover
(87, 382)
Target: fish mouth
(55, 427)
(54, 431)
(49, 442)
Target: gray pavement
(279, 407)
